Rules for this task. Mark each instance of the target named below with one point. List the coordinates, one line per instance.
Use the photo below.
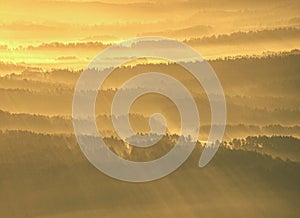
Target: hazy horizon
(253, 48)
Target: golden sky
(44, 32)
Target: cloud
(238, 3)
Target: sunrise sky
(68, 34)
(253, 46)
